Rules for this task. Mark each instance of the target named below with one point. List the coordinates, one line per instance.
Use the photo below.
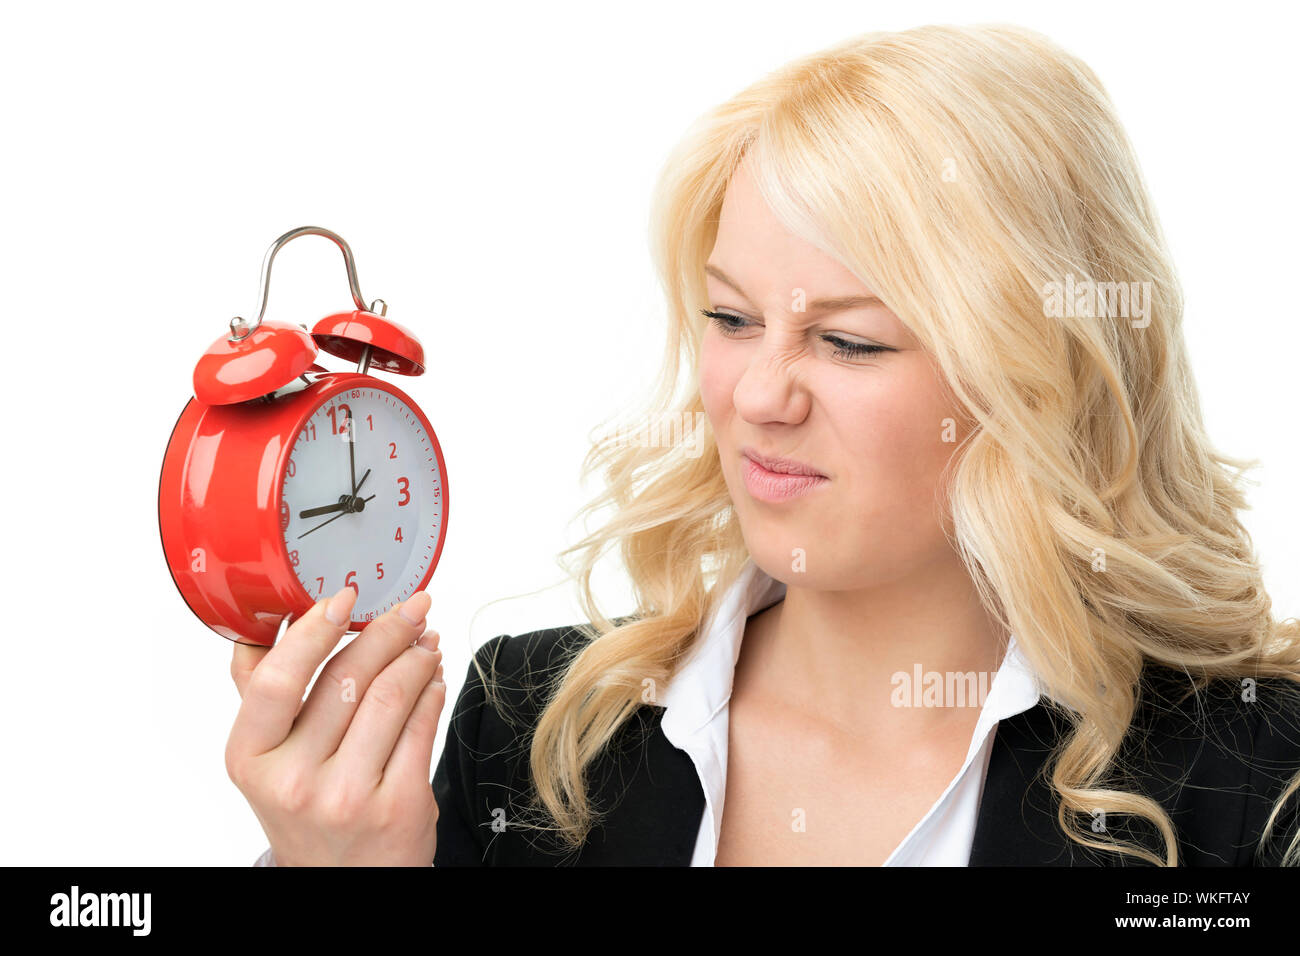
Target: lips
(781, 466)
(776, 487)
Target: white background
(490, 165)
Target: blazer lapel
(653, 800)
(1016, 825)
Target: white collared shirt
(696, 714)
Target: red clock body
(268, 505)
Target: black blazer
(1217, 779)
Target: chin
(772, 557)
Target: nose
(771, 388)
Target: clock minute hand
(352, 450)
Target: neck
(836, 653)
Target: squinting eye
(729, 324)
(851, 349)
(724, 321)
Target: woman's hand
(341, 778)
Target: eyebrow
(832, 304)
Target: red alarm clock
(283, 482)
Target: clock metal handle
(240, 329)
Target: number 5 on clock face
(362, 504)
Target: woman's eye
(852, 349)
(730, 324)
(725, 321)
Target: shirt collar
(702, 685)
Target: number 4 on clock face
(363, 496)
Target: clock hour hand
(325, 509)
(351, 505)
(338, 506)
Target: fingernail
(437, 675)
(429, 641)
(415, 607)
(339, 610)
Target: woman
(934, 334)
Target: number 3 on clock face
(362, 501)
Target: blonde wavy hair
(958, 171)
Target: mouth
(780, 466)
(767, 484)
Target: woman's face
(790, 380)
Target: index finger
(273, 692)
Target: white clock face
(380, 536)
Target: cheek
(717, 381)
(902, 440)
